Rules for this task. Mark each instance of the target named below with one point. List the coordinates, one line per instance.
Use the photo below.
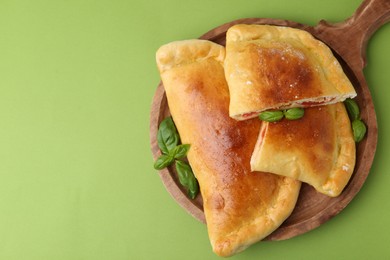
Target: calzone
(317, 149)
(240, 207)
(274, 67)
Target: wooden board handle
(349, 38)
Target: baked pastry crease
(317, 149)
(274, 67)
(240, 207)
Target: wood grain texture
(348, 41)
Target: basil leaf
(187, 178)
(352, 108)
(294, 113)
(167, 136)
(359, 130)
(180, 151)
(271, 116)
(183, 171)
(193, 188)
(163, 161)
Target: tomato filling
(303, 104)
(246, 115)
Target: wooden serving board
(348, 41)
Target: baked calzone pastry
(318, 149)
(273, 67)
(240, 207)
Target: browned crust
(273, 67)
(240, 207)
(317, 149)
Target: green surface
(76, 178)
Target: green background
(77, 79)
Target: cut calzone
(273, 67)
(317, 149)
(240, 207)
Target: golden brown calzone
(273, 67)
(240, 207)
(318, 149)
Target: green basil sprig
(359, 129)
(163, 161)
(271, 116)
(294, 113)
(277, 115)
(167, 135)
(352, 108)
(168, 142)
(187, 178)
(178, 152)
